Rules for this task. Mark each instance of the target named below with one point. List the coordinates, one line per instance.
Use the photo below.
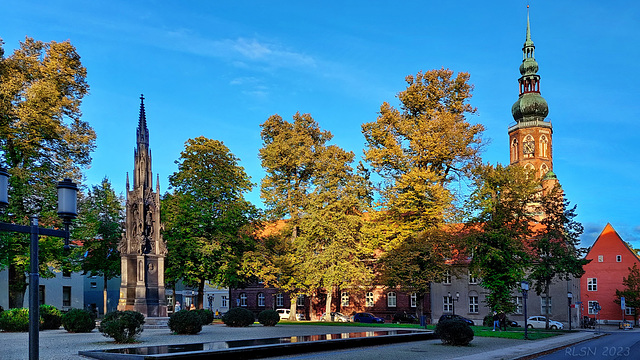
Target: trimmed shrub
(186, 322)
(50, 317)
(238, 317)
(268, 317)
(206, 316)
(122, 326)
(454, 332)
(78, 321)
(15, 320)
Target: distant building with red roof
(611, 259)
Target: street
(616, 345)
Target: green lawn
(482, 331)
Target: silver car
(538, 322)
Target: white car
(284, 313)
(538, 322)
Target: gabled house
(611, 259)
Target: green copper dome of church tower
(530, 106)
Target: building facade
(64, 291)
(611, 258)
(380, 301)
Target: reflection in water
(218, 345)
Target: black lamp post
(525, 289)
(67, 210)
(454, 300)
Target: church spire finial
(143, 132)
(528, 25)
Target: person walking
(177, 307)
(496, 321)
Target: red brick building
(611, 259)
(380, 301)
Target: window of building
(592, 284)
(66, 296)
(600, 258)
(414, 300)
(544, 146)
(369, 299)
(447, 304)
(447, 277)
(629, 311)
(474, 306)
(518, 301)
(592, 307)
(300, 301)
(66, 273)
(41, 294)
(618, 258)
(391, 299)
(243, 299)
(260, 299)
(94, 285)
(472, 278)
(545, 305)
(224, 301)
(279, 300)
(344, 299)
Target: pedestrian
(192, 307)
(503, 321)
(496, 321)
(177, 307)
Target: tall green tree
(499, 230)
(554, 245)
(315, 187)
(42, 140)
(421, 151)
(99, 227)
(631, 291)
(209, 224)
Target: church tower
(142, 248)
(530, 139)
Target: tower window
(528, 147)
(544, 146)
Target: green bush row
(17, 320)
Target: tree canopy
(209, 224)
(42, 140)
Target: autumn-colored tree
(42, 140)
(421, 150)
(99, 228)
(631, 291)
(312, 185)
(499, 230)
(209, 224)
(554, 245)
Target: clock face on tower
(528, 147)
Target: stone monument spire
(142, 248)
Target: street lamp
(569, 297)
(454, 300)
(67, 210)
(525, 288)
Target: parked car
(404, 318)
(364, 317)
(335, 316)
(458, 317)
(284, 313)
(538, 322)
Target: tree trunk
(293, 309)
(104, 296)
(546, 294)
(327, 305)
(201, 294)
(17, 286)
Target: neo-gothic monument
(142, 248)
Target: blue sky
(221, 68)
